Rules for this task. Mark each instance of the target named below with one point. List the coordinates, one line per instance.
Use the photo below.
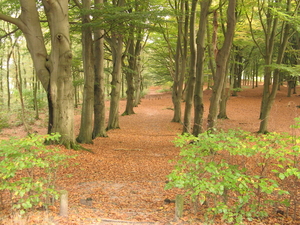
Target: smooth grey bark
(116, 43)
(54, 70)
(117, 52)
(61, 92)
(86, 126)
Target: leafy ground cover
(123, 181)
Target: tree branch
(77, 3)
(6, 35)
(10, 19)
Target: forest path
(124, 180)
(126, 175)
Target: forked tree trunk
(269, 94)
(54, 71)
(222, 56)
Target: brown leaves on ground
(123, 181)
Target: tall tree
(99, 93)
(271, 14)
(54, 69)
(86, 127)
(116, 42)
(221, 58)
(198, 96)
(192, 72)
(182, 15)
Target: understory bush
(28, 171)
(238, 176)
(4, 120)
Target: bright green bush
(237, 175)
(28, 170)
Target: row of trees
(187, 42)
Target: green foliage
(236, 174)
(28, 170)
(4, 120)
(29, 99)
(237, 89)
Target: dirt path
(125, 178)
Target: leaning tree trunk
(86, 125)
(224, 98)
(269, 98)
(222, 56)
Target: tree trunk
(130, 75)
(180, 59)
(35, 99)
(20, 87)
(226, 91)
(223, 102)
(198, 96)
(1, 83)
(222, 56)
(60, 89)
(7, 78)
(138, 82)
(269, 96)
(86, 126)
(192, 74)
(99, 94)
(117, 51)
(54, 71)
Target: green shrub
(4, 120)
(28, 170)
(237, 175)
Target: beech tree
(275, 18)
(53, 69)
(221, 58)
(192, 71)
(198, 96)
(86, 127)
(99, 91)
(181, 9)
